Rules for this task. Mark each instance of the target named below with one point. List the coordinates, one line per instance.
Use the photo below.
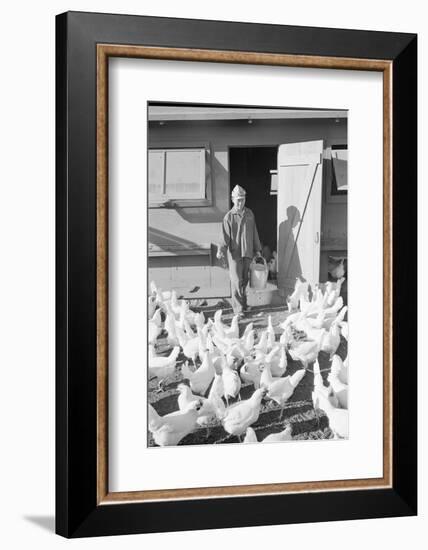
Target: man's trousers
(239, 272)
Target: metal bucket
(258, 273)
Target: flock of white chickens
(217, 361)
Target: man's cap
(238, 191)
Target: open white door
(299, 213)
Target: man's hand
(258, 254)
(219, 254)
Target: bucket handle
(253, 261)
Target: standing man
(241, 240)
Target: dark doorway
(249, 168)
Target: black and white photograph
(248, 274)
(191, 261)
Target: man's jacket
(240, 236)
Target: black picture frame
(78, 513)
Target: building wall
(200, 226)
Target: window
(176, 174)
(339, 157)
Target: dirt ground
(298, 411)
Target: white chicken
(319, 387)
(338, 418)
(323, 398)
(215, 352)
(190, 345)
(346, 362)
(218, 326)
(228, 346)
(319, 299)
(157, 318)
(286, 337)
(250, 373)
(199, 319)
(188, 330)
(186, 315)
(200, 379)
(333, 317)
(315, 291)
(341, 314)
(248, 329)
(300, 289)
(217, 386)
(270, 334)
(154, 289)
(306, 306)
(162, 367)
(316, 322)
(264, 357)
(175, 304)
(330, 293)
(231, 381)
(332, 310)
(285, 435)
(262, 345)
(334, 290)
(278, 366)
(162, 297)
(233, 330)
(292, 318)
(180, 322)
(151, 306)
(250, 436)
(331, 340)
(339, 368)
(155, 326)
(344, 329)
(171, 330)
(210, 409)
(185, 396)
(172, 428)
(280, 389)
(312, 333)
(339, 389)
(248, 343)
(304, 290)
(239, 416)
(305, 352)
(154, 421)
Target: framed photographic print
(236, 232)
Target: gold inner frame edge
(104, 51)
